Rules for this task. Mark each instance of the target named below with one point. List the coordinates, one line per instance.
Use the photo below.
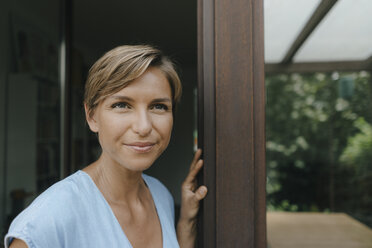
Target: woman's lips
(141, 147)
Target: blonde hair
(118, 67)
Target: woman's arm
(17, 243)
(191, 196)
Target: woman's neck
(117, 184)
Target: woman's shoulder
(155, 184)
(51, 209)
(64, 191)
(158, 188)
(162, 197)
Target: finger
(196, 158)
(201, 192)
(193, 172)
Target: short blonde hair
(118, 67)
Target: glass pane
(283, 22)
(30, 103)
(319, 143)
(344, 34)
(319, 138)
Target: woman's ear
(90, 117)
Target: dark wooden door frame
(232, 123)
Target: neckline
(154, 199)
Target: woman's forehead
(152, 83)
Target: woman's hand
(191, 196)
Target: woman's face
(134, 125)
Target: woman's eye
(120, 105)
(160, 107)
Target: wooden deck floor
(316, 230)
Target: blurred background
(318, 115)
(318, 57)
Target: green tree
(356, 159)
(310, 119)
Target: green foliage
(357, 161)
(318, 141)
(358, 152)
(283, 206)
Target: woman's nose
(142, 124)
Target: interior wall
(169, 24)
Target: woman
(130, 98)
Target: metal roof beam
(321, 11)
(310, 67)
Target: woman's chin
(138, 165)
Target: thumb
(201, 192)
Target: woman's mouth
(141, 147)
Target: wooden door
(232, 123)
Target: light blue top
(74, 213)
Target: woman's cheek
(166, 124)
(115, 126)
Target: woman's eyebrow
(162, 100)
(129, 99)
(122, 98)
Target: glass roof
(284, 20)
(344, 34)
